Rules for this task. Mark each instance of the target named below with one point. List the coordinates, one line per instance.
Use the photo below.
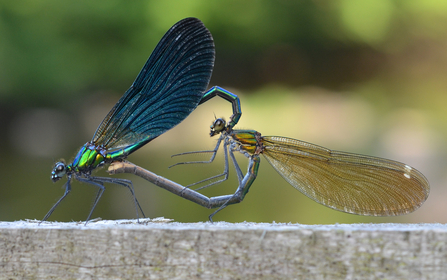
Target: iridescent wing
(166, 91)
(347, 182)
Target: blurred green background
(360, 76)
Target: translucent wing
(165, 92)
(347, 182)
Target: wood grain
(163, 250)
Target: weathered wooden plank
(160, 250)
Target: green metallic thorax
(249, 140)
(90, 156)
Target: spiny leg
(122, 182)
(234, 147)
(67, 191)
(240, 176)
(101, 190)
(225, 172)
(213, 156)
(243, 188)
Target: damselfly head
(59, 170)
(217, 127)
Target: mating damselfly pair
(172, 84)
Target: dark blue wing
(165, 92)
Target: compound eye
(59, 167)
(218, 126)
(219, 123)
(59, 171)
